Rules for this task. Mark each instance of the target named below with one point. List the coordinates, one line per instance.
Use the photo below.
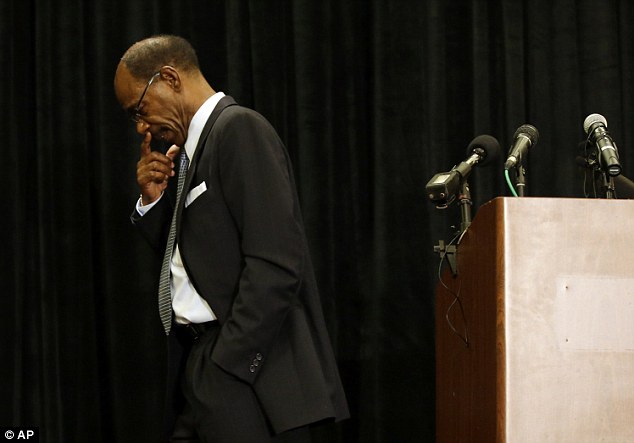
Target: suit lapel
(223, 104)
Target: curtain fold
(371, 98)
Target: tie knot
(184, 157)
(184, 161)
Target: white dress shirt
(188, 305)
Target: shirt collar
(198, 123)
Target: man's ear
(171, 76)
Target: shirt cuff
(142, 209)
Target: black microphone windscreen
(488, 145)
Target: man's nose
(141, 126)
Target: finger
(163, 166)
(172, 152)
(146, 149)
(155, 157)
(156, 177)
(147, 177)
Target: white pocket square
(195, 193)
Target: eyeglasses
(136, 116)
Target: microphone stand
(607, 181)
(520, 181)
(465, 203)
(448, 252)
(599, 174)
(608, 185)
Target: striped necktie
(164, 292)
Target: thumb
(172, 152)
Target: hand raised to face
(154, 170)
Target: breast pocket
(194, 193)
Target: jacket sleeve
(154, 225)
(256, 183)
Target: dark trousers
(221, 408)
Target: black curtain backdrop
(372, 99)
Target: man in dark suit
(245, 319)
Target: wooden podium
(546, 287)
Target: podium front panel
(553, 298)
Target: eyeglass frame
(136, 115)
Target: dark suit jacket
(243, 245)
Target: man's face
(153, 104)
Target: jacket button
(252, 369)
(258, 356)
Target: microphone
(443, 187)
(525, 137)
(596, 126)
